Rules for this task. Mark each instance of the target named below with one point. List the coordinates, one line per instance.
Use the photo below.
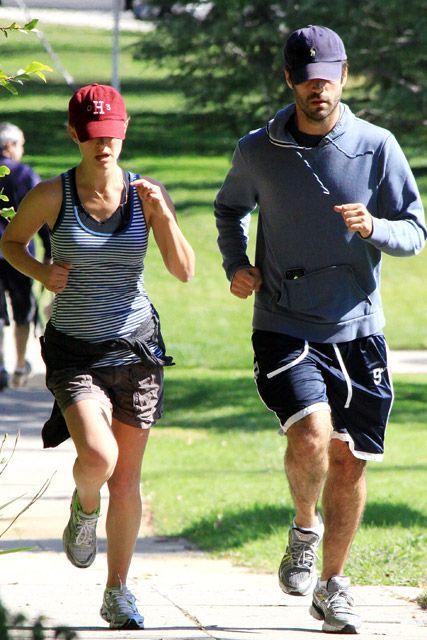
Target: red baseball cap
(97, 111)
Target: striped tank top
(105, 296)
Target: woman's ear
(72, 133)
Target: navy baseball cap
(314, 52)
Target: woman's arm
(159, 212)
(40, 206)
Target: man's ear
(288, 79)
(344, 75)
(8, 148)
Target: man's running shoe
(4, 379)
(20, 376)
(297, 571)
(334, 605)
(119, 609)
(79, 536)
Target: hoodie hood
(343, 136)
(278, 133)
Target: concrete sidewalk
(183, 594)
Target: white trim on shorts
(299, 415)
(390, 378)
(344, 437)
(362, 455)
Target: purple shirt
(15, 186)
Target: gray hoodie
(320, 281)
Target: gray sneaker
(334, 605)
(119, 609)
(79, 538)
(297, 571)
(20, 376)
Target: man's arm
(245, 281)
(235, 201)
(399, 229)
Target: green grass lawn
(225, 489)
(214, 464)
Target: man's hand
(245, 281)
(356, 218)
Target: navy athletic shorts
(350, 379)
(19, 287)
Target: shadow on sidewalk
(147, 545)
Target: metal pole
(115, 81)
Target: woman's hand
(154, 194)
(55, 276)
(160, 215)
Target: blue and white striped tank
(105, 296)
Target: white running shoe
(119, 609)
(334, 605)
(79, 538)
(297, 571)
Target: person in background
(333, 193)
(18, 286)
(102, 346)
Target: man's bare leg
(306, 464)
(344, 498)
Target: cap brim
(331, 71)
(101, 129)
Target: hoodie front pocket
(330, 295)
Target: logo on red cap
(98, 107)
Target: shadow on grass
(220, 404)
(419, 172)
(235, 528)
(166, 133)
(387, 514)
(410, 402)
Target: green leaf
(31, 26)
(9, 86)
(4, 171)
(36, 67)
(7, 213)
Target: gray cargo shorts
(133, 392)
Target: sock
(315, 529)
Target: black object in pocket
(329, 295)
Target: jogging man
(332, 192)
